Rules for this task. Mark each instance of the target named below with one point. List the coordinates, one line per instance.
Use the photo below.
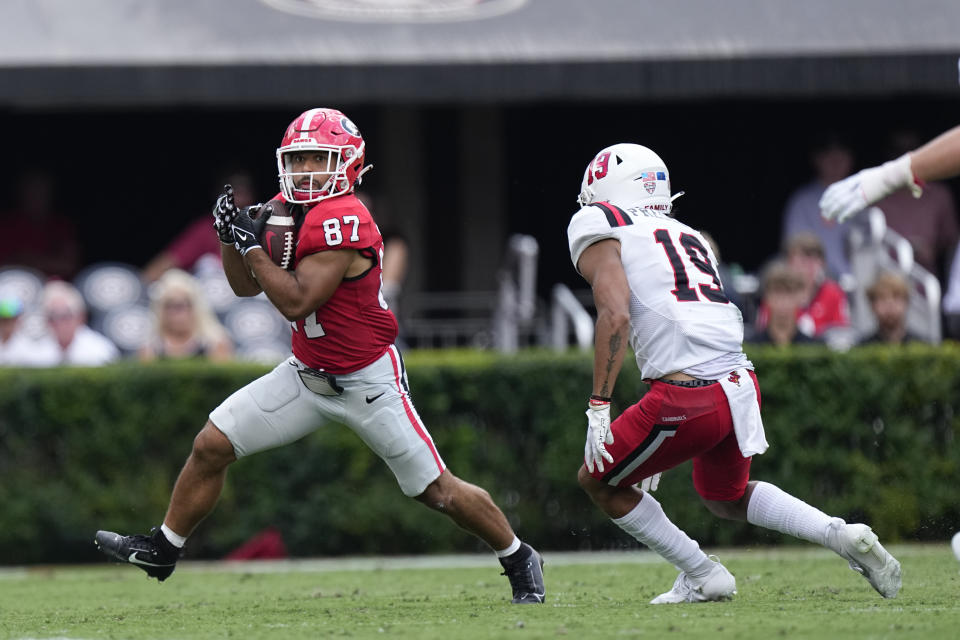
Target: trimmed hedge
(866, 435)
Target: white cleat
(718, 585)
(860, 547)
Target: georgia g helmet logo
(349, 127)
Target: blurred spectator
(938, 159)
(929, 222)
(782, 298)
(70, 341)
(16, 348)
(724, 272)
(184, 324)
(831, 160)
(889, 297)
(395, 258)
(394, 268)
(951, 300)
(395, 255)
(198, 242)
(34, 234)
(823, 304)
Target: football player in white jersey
(655, 283)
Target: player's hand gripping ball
(279, 237)
(224, 211)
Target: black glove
(247, 227)
(224, 212)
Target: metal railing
(566, 310)
(517, 292)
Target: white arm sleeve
(588, 226)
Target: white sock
(173, 538)
(772, 508)
(649, 524)
(512, 549)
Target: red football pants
(673, 424)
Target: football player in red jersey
(345, 367)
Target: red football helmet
(321, 130)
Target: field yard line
(364, 563)
(480, 560)
(449, 561)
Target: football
(279, 234)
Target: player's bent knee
(444, 493)
(436, 499)
(734, 509)
(436, 495)
(728, 510)
(212, 448)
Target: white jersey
(680, 318)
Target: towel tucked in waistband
(745, 409)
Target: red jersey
(354, 327)
(827, 309)
(194, 242)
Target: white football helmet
(629, 176)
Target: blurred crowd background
(121, 126)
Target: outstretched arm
(939, 159)
(936, 160)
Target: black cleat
(154, 553)
(525, 576)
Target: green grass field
(794, 592)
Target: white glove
(598, 434)
(650, 484)
(857, 192)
